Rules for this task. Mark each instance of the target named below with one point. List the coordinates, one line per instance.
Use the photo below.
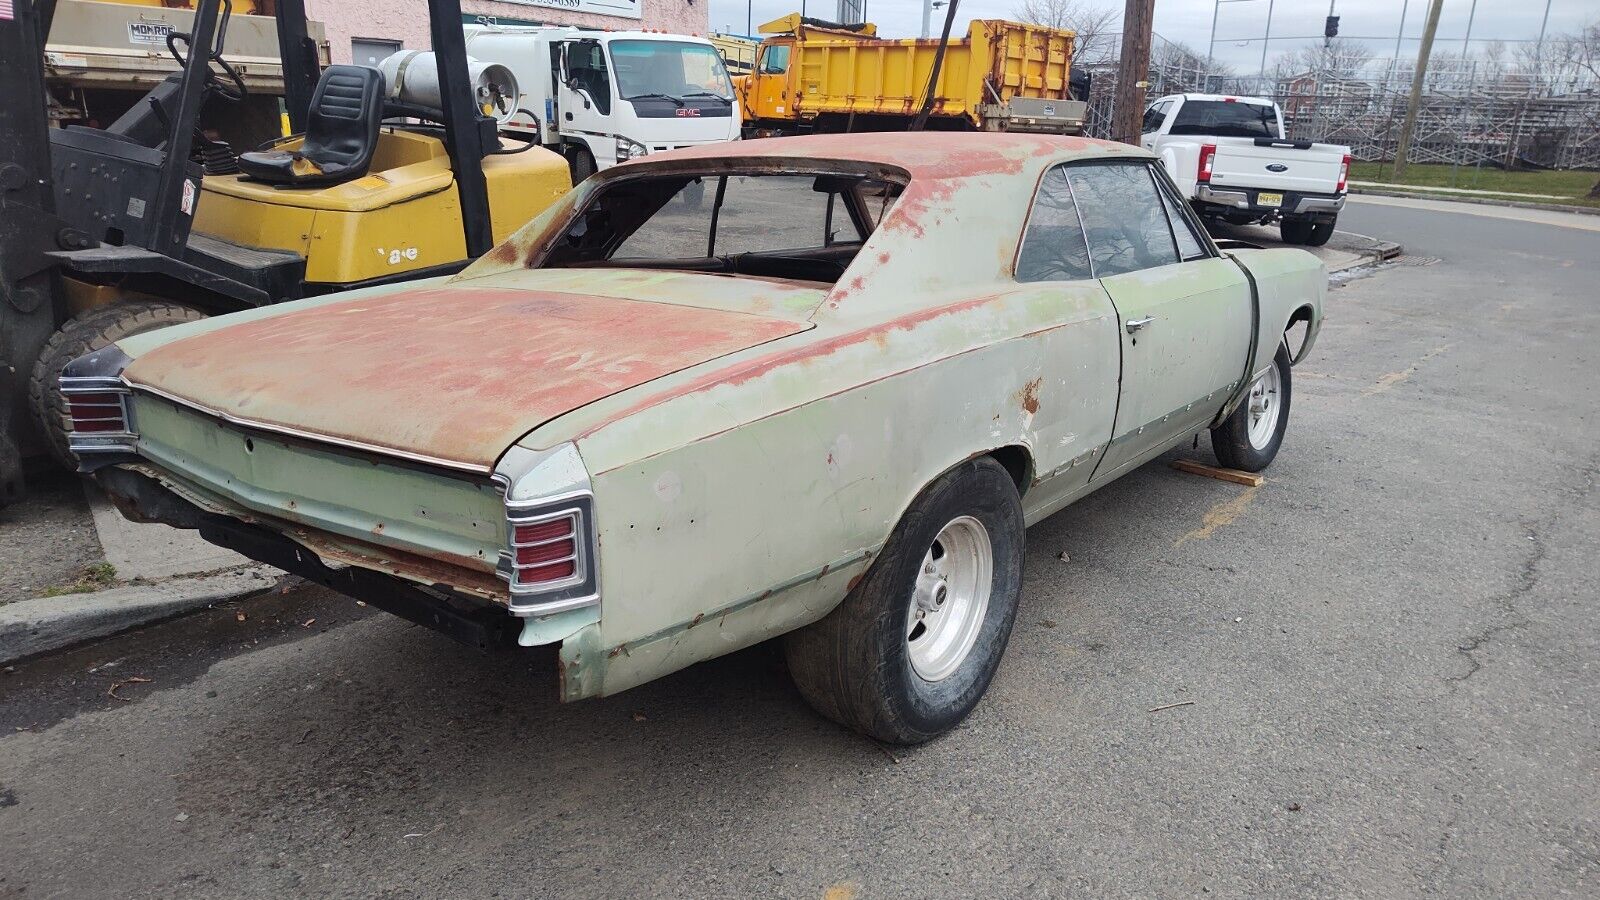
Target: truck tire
(1296, 231)
(1320, 232)
(85, 333)
(912, 648)
(1250, 437)
(582, 165)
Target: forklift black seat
(341, 133)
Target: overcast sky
(1189, 21)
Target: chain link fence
(1473, 111)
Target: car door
(1149, 128)
(586, 89)
(1185, 311)
(1073, 403)
(771, 80)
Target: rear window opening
(785, 226)
(1226, 119)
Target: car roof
(1237, 98)
(924, 155)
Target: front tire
(582, 165)
(911, 650)
(1250, 437)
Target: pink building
(366, 31)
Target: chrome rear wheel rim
(1264, 406)
(950, 599)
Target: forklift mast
(28, 225)
(469, 134)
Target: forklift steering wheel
(232, 93)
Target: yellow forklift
(148, 222)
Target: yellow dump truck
(820, 76)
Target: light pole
(928, 6)
(1211, 46)
(1401, 33)
(1266, 41)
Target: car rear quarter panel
(1291, 284)
(773, 488)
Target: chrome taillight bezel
(122, 440)
(541, 487)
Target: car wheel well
(1297, 353)
(1018, 463)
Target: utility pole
(1138, 18)
(1408, 127)
(928, 6)
(1398, 35)
(1211, 45)
(1266, 41)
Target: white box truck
(604, 97)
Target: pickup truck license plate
(1266, 199)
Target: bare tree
(1580, 53)
(1340, 59)
(1096, 26)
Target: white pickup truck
(1230, 158)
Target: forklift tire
(582, 165)
(85, 333)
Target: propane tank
(412, 76)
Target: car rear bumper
(1247, 200)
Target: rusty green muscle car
(822, 403)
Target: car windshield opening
(669, 69)
(1226, 119)
(805, 227)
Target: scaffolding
(1474, 112)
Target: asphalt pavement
(1387, 652)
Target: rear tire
(1320, 233)
(85, 333)
(950, 576)
(1295, 231)
(1250, 437)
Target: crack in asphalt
(1527, 578)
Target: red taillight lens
(1344, 173)
(544, 551)
(552, 572)
(102, 411)
(543, 531)
(1208, 152)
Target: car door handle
(1136, 324)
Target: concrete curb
(1482, 201)
(45, 624)
(1377, 252)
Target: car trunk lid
(449, 375)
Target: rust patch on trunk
(455, 374)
